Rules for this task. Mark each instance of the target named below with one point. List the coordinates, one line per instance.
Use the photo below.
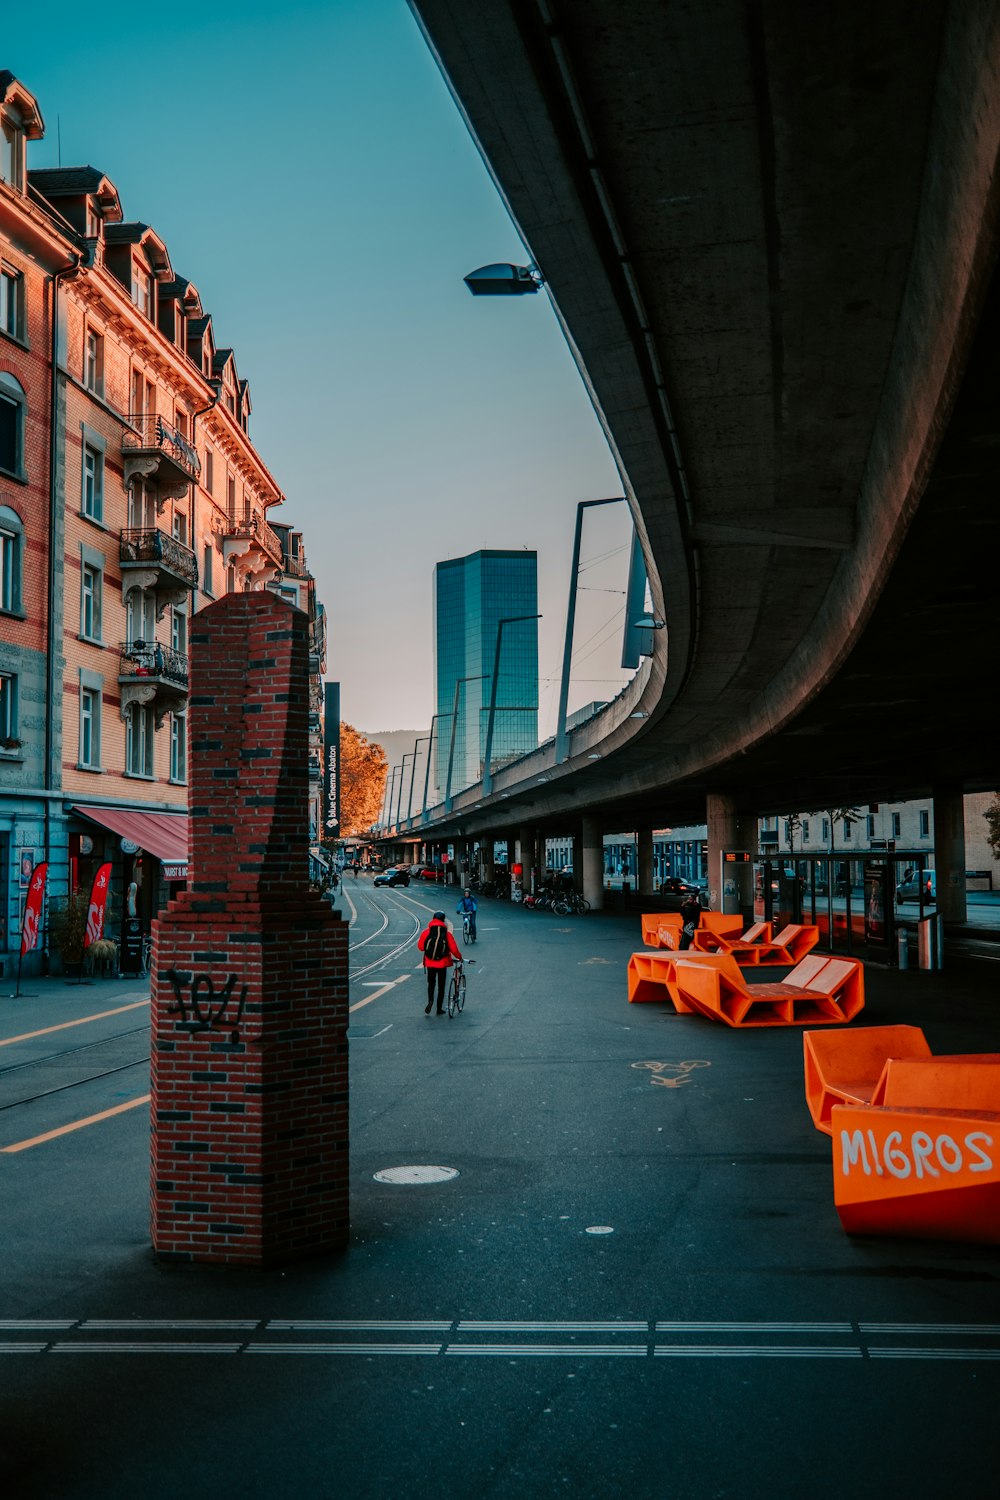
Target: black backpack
(436, 945)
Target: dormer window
(142, 289)
(93, 223)
(12, 150)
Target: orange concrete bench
(818, 991)
(652, 976)
(663, 929)
(924, 1161)
(845, 1067)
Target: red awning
(160, 833)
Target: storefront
(149, 867)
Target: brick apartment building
(130, 496)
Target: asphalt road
(636, 1282)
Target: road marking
(548, 1351)
(27, 1036)
(360, 1325)
(609, 1325)
(665, 1327)
(755, 1351)
(133, 1325)
(358, 1004)
(159, 1347)
(343, 1349)
(990, 1329)
(934, 1353)
(51, 1135)
(18, 1348)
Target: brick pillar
(249, 993)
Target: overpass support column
(645, 883)
(731, 886)
(592, 862)
(949, 852)
(526, 857)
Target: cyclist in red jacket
(440, 951)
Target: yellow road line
(27, 1036)
(50, 1135)
(369, 998)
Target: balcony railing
(154, 549)
(256, 530)
(159, 665)
(150, 435)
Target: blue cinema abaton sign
(331, 759)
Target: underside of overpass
(769, 232)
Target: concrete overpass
(770, 232)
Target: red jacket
(450, 956)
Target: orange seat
(926, 1172)
(653, 976)
(746, 949)
(819, 991)
(652, 923)
(790, 945)
(949, 1081)
(846, 1066)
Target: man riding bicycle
(467, 909)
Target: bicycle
(456, 990)
(467, 927)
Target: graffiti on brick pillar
(202, 1007)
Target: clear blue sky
(311, 175)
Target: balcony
(253, 549)
(153, 449)
(315, 769)
(149, 673)
(152, 560)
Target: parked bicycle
(456, 989)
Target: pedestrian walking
(690, 918)
(440, 951)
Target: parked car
(394, 875)
(919, 887)
(430, 872)
(674, 892)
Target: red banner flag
(32, 919)
(95, 911)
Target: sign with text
(331, 760)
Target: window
(805, 830)
(91, 697)
(231, 497)
(206, 570)
(895, 825)
(11, 534)
(142, 289)
(91, 593)
(12, 410)
(139, 741)
(93, 362)
(178, 747)
(209, 471)
(11, 302)
(142, 505)
(848, 825)
(140, 617)
(180, 528)
(870, 822)
(8, 707)
(92, 496)
(925, 824)
(179, 631)
(12, 153)
(826, 830)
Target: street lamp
(562, 738)
(413, 772)
(487, 779)
(459, 681)
(390, 786)
(402, 777)
(503, 281)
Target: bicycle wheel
(453, 1004)
(459, 991)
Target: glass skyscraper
(471, 595)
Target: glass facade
(471, 596)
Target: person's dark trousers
(440, 975)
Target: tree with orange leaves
(363, 770)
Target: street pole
(454, 728)
(413, 772)
(427, 773)
(507, 620)
(399, 799)
(562, 738)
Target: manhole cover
(412, 1175)
(599, 1229)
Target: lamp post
(413, 772)
(454, 726)
(385, 801)
(562, 738)
(427, 773)
(487, 772)
(402, 778)
(391, 788)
